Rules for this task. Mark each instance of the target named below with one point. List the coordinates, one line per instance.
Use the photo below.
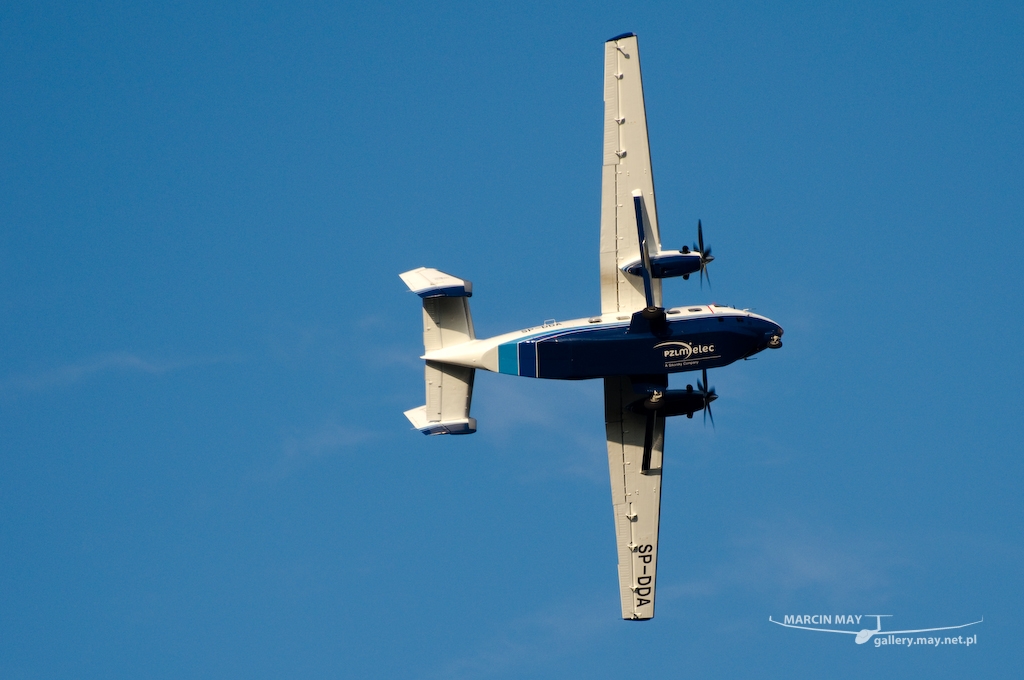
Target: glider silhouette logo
(881, 637)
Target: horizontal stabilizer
(430, 283)
(449, 396)
(418, 418)
(447, 323)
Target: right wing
(627, 168)
(636, 495)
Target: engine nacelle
(667, 264)
(674, 402)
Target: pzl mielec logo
(684, 350)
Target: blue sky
(206, 349)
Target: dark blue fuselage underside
(684, 345)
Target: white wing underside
(636, 496)
(626, 168)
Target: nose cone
(771, 332)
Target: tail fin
(446, 322)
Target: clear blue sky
(205, 349)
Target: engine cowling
(667, 264)
(674, 402)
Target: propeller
(705, 256)
(709, 396)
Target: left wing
(627, 168)
(636, 494)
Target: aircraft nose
(767, 333)
(774, 335)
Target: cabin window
(693, 309)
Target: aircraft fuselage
(692, 339)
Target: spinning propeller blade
(709, 396)
(705, 256)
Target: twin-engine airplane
(633, 344)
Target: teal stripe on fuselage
(508, 353)
(508, 358)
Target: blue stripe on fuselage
(528, 359)
(509, 354)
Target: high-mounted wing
(635, 483)
(627, 168)
(636, 495)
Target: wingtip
(621, 36)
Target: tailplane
(446, 322)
